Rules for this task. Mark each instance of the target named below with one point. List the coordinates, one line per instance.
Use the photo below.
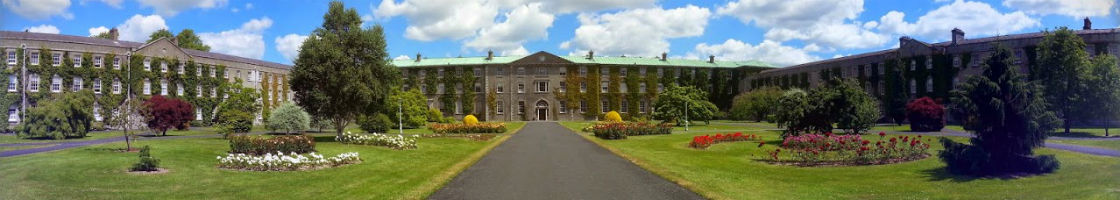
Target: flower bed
(281, 162)
(829, 149)
(468, 128)
(259, 145)
(620, 130)
(705, 141)
(391, 141)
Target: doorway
(542, 110)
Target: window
(147, 64)
(542, 86)
(582, 106)
(622, 72)
(163, 67)
(198, 70)
(163, 87)
(458, 107)
(956, 61)
(929, 85)
(97, 86)
(622, 87)
(214, 92)
(604, 106)
(563, 107)
(562, 71)
(582, 71)
(563, 87)
(477, 72)
(660, 72)
(625, 105)
(198, 113)
(520, 107)
(225, 74)
(180, 69)
(12, 82)
(500, 88)
(147, 87)
(520, 88)
(213, 71)
(642, 71)
(96, 112)
(56, 84)
(542, 71)
(501, 109)
(116, 86)
(641, 87)
(660, 88)
(13, 113)
(56, 58)
(440, 74)
(520, 71)
(34, 58)
(11, 57)
(477, 88)
(440, 88)
(913, 86)
(642, 106)
(583, 86)
(76, 60)
(604, 71)
(179, 89)
(501, 71)
(603, 87)
(77, 84)
(97, 61)
(116, 63)
(198, 91)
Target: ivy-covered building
(919, 69)
(544, 86)
(41, 66)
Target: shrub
(434, 115)
(925, 115)
(470, 120)
(281, 162)
(414, 111)
(612, 116)
(756, 105)
(258, 145)
(841, 102)
(378, 123)
(465, 128)
(620, 130)
(705, 141)
(68, 116)
(289, 117)
(391, 141)
(147, 163)
(234, 121)
(166, 113)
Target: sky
(781, 32)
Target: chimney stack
(114, 34)
(417, 57)
(590, 55)
(664, 56)
(711, 59)
(958, 35)
(1088, 24)
(489, 54)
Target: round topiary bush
(612, 116)
(470, 120)
(925, 114)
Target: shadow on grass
(941, 173)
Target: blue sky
(783, 32)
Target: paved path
(547, 161)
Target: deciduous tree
(1062, 71)
(164, 113)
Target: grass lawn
(730, 171)
(98, 172)
(1086, 132)
(1108, 144)
(13, 138)
(906, 127)
(13, 148)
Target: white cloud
(138, 27)
(110, 3)
(522, 24)
(640, 32)
(248, 6)
(173, 7)
(767, 51)
(827, 23)
(39, 9)
(567, 6)
(402, 57)
(288, 45)
(97, 30)
(245, 41)
(1073, 8)
(974, 18)
(440, 19)
(43, 29)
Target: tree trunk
(127, 142)
(1067, 124)
(339, 126)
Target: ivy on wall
(467, 98)
(594, 105)
(633, 88)
(614, 91)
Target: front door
(542, 114)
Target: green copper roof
(431, 62)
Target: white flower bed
(391, 141)
(281, 162)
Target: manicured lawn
(12, 138)
(906, 127)
(1086, 132)
(13, 148)
(1108, 144)
(731, 171)
(98, 172)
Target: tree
(374, 123)
(845, 103)
(757, 105)
(165, 113)
(343, 70)
(676, 101)
(1062, 72)
(147, 162)
(68, 116)
(235, 114)
(127, 117)
(161, 33)
(188, 40)
(793, 107)
(1009, 118)
(414, 110)
(925, 115)
(1105, 81)
(289, 117)
(104, 35)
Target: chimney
(489, 54)
(958, 35)
(114, 34)
(590, 55)
(1088, 24)
(417, 57)
(711, 59)
(664, 56)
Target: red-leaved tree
(165, 113)
(925, 114)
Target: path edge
(658, 171)
(445, 176)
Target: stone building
(534, 87)
(39, 66)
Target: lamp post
(685, 116)
(400, 121)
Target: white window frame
(13, 113)
(603, 86)
(147, 87)
(116, 86)
(13, 83)
(163, 87)
(563, 87)
(97, 61)
(179, 89)
(148, 64)
(97, 86)
(563, 106)
(77, 84)
(521, 88)
(56, 59)
(12, 57)
(500, 89)
(34, 56)
(501, 109)
(542, 86)
(116, 63)
(56, 84)
(76, 60)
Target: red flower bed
(705, 141)
(829, 149)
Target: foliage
(925, 114)
(413, 112)
(705, 141)
(321, 123)
(817, 149)
(235, 114)
(470, 120)
(128, 119)
(675, 101)
(612, 116)
(793, 107)
(759, 104)
(343, 70)
(841, 102)
(290, 118)
(375, 123)
(1062, 71)
(281, 162)
(434, 115)
(468, 128)
(620, 130)
(161, 33)
(895, 95)
(375, 139)
(1009, 117)
(147, 163)
(188, 40)
(260, 145)
(1105, 81)
(165, 113)
(68, 116)
(467, 99)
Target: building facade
(41, 66)
(920, 69)
(544, 86)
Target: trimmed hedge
(258, 145)
(465, 128)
